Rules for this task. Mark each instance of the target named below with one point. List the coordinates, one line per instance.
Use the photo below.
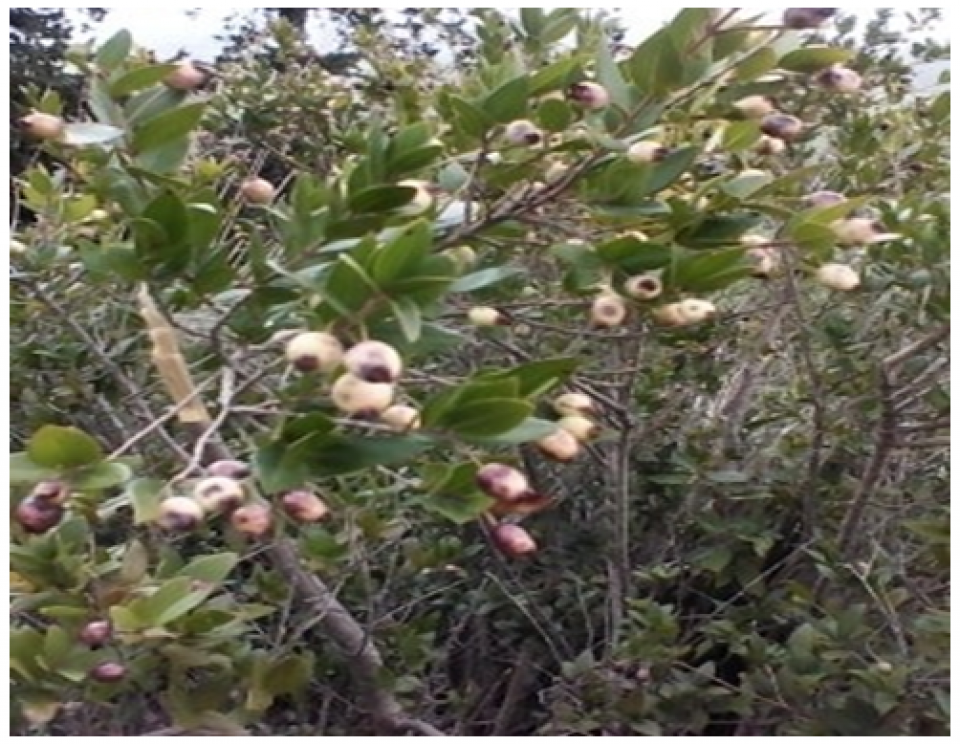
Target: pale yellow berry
(838, 276)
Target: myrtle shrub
(573, 389)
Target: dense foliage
(666, 448)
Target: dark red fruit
(108, 671)
(96, 633)
(38, 516)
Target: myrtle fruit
(643, 287)
(43, 126)
(401, 418)
(781, 126)
(802, 18)
(574, 404)
(821, 199)
(258, 191)
(589, 95)
(763, 262)
(646, 152)
(229, 469)
(486, 316)
(218, 494)
(314, 351)
(523, 132)
(754, 107)
(860, 231)
(96, 633)
(374, 361)
(561, 445)
(512, 540)
(186, 77)
(839, 277)
(37, 515)
(502, 482)
(669, 315)
(839, 79)
(696, 311)
(304, 506)
(556, 172)
(179, 514)
(108, 671)
(52, 491)
(253, 519)
(770, 145)
(352, 395)
(580, 427)
(608, 311)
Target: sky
(167, 29)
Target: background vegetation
(756, 544)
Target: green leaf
(740, 135)
(727, 476)
(165, 158)
(670, 169)
(381, 198)
(717, 230)
(151, 102)
(471, 120)
(407, 314)
(114, 51)
(56, 647)
(136, 563)
(63, 447)
(412, 161)
(459, 507)
(610, 77)
(538, 378)
(528, 431)
(484, 278)
(347, 287)
(487, 418)
(745, 185)
(25, 470)
(554, 115)
(401, 257)
(509, 101)
(164, 128)
(84, 134)
(145, 497)
(553, 77)
(171, 601)
(656, 66)
(755, 65)
(708, 271)
(533, 21)
(814, 58)
(102, 476)
(342, 455)
(212, 569)
(634, 256)
(140, 78)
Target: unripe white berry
(754, 107)
(43, 126)
(258, 191)
(561, 445)
(770, 145)
(696, 311)
(314, 352)
(486, 316)
(572, 404)
(374, 361)
(401, 418)
(589, 95)
(643, 287)
(352, 395)
(646, 152)
(582, 428)
(523, 132)
(608, 311)
(838, 276)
